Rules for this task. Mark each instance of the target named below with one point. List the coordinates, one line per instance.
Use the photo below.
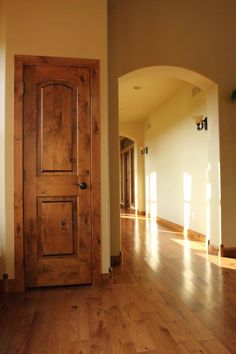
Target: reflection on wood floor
(168, 297)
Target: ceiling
(142, 92)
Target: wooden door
(57, 175)
(122, 197)
(132, 193)
(127, 179)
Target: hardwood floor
(168, 297)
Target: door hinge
(23, 88)
(23, 175)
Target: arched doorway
(213, 231)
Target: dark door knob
(83, 185)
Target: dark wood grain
(57, 226)
(18, 174)
(96, 176)
(57, 110)
(56, 148)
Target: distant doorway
(158, 108)
(127, 174)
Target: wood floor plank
(213, 346)
(23, 323)
(169, 296)
(78, 316)
(50, 327)
(81, 347)
(161, 335)
(118, 330)
(130, 313)
(16, 318)
(184, 338)
(100, 338)
(141, 337)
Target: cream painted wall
(193, 35)
(214, 178)
(75, 28)
(134, 131)
(176, 166)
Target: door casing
(127, 158)
(20, 62)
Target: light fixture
(201, 122)
(144, 150)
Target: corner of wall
(2, 137)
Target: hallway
(168, 297)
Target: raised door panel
(56, 138)
(57, 225)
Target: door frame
(123, 181)
(93, 65)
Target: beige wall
(176, 166)
(135, 132)
(75, 28)
(214, 173)
(198, 36)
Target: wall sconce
(144, 150)
(201, 122)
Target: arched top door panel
(56, 123)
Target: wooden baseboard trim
(176, 227)
(141, 213)
(132, 211)
(107, 278)
(128, 211)
(169, 224)
(7, 286)
(116, 260)
(228, 252)
(214, 250)
(196, 235)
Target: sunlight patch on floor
(221, 262)
(153, 262)
(188, 244)
(170, 232)
(136, 237)
(132, 216)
